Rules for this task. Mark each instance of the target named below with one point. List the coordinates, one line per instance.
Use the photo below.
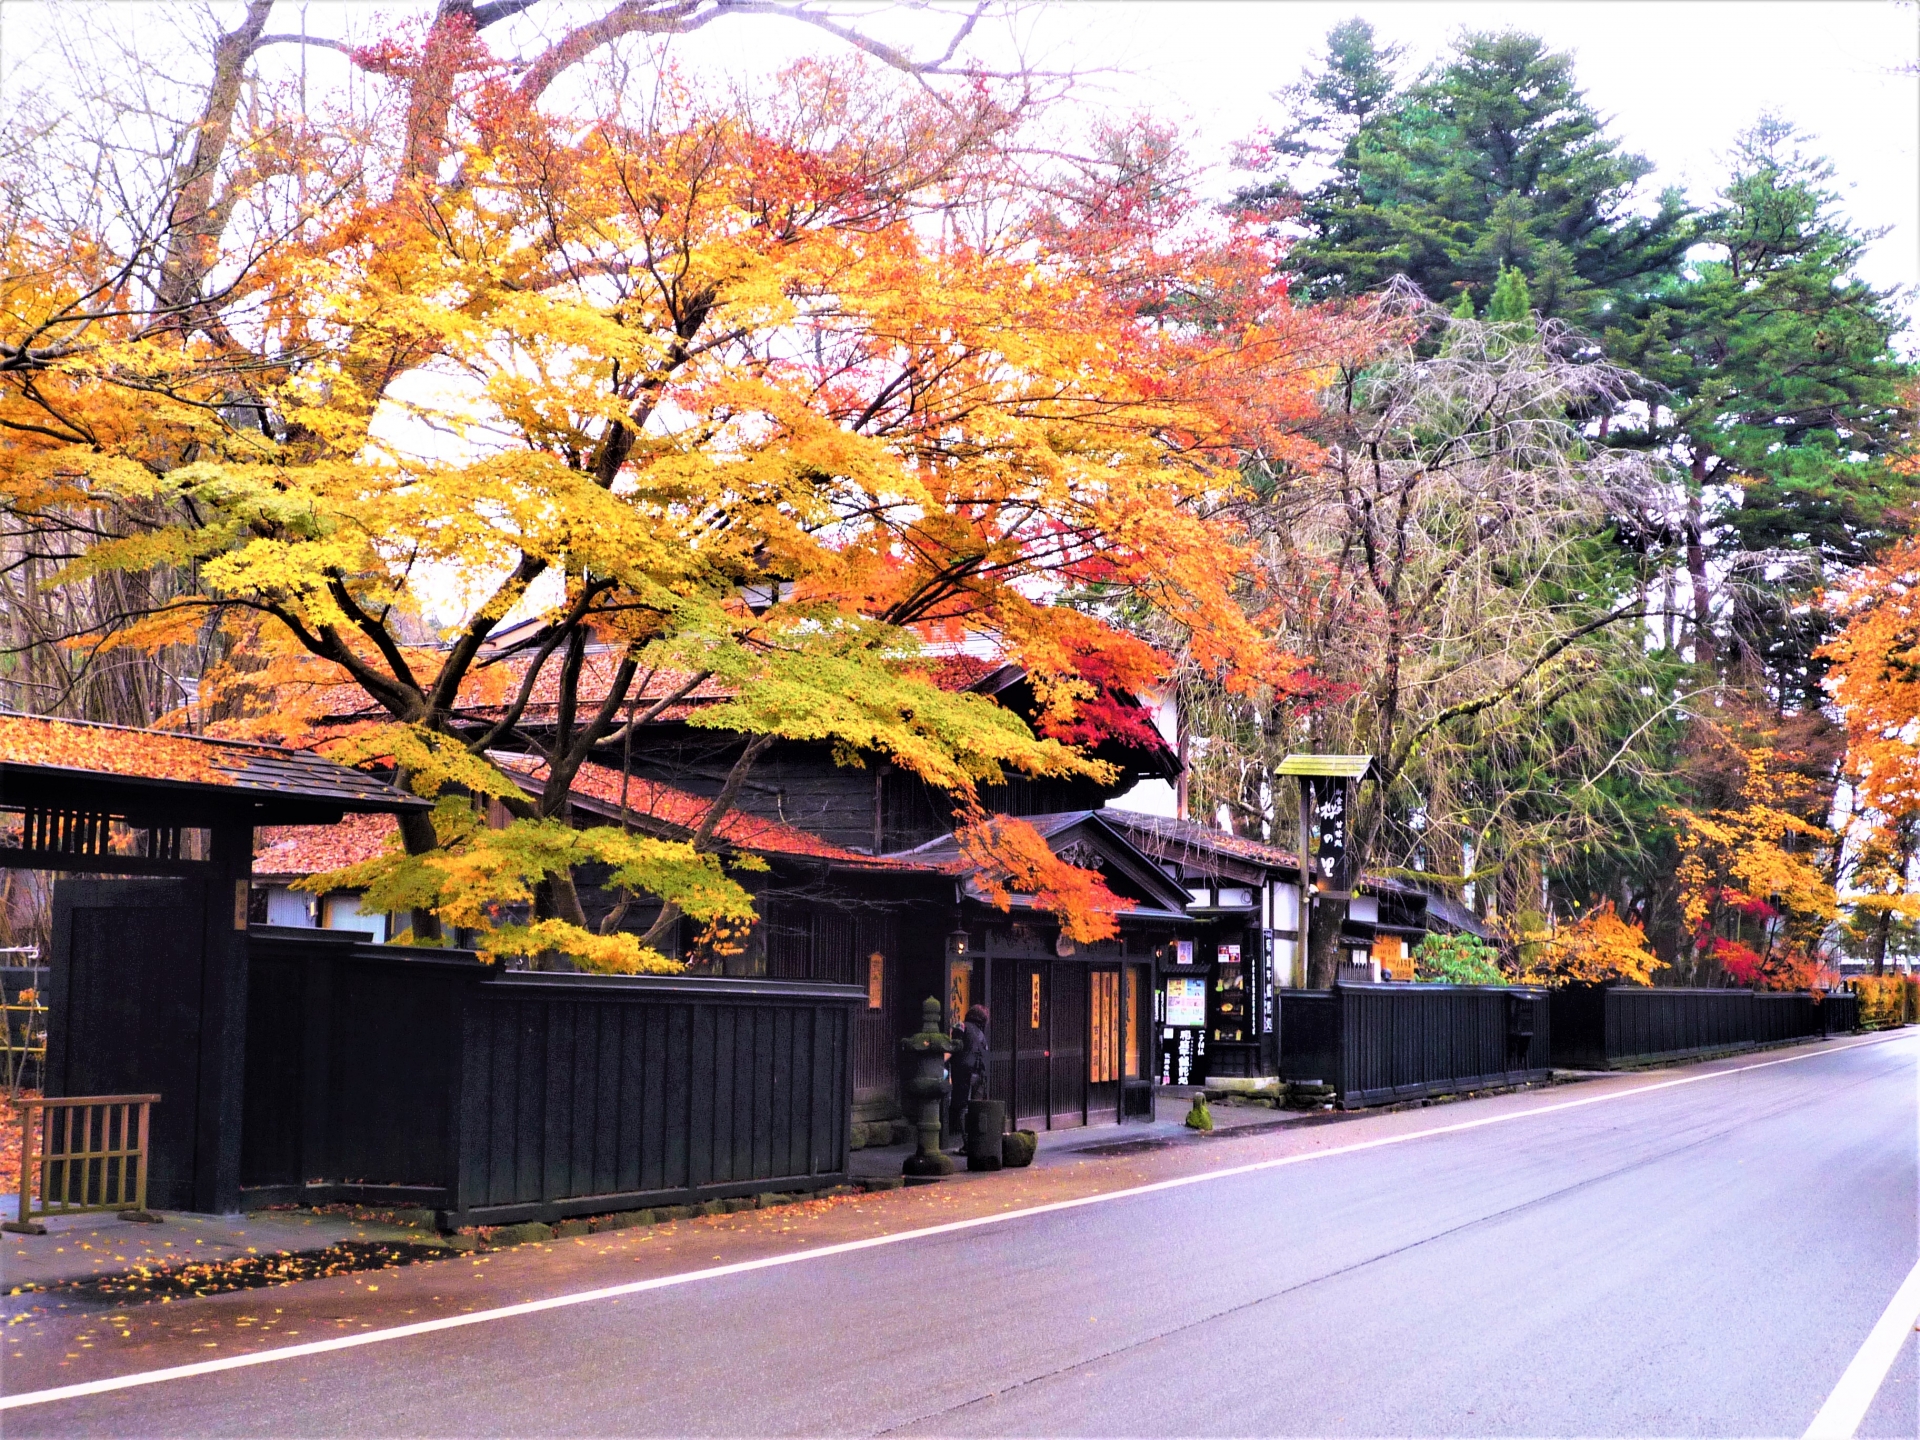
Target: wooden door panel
(1001, 1023)
(1033, 1002)
(1067, 1091)
(1103, 1045)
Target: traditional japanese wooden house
(1073, 1033)
(1073, 1025)
(865, 885)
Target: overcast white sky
(1677, 79)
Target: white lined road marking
(1847, 1406)
(823, 1252)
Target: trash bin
(986, 1121)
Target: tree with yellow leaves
(1754, 890)
(718, 389)
(1875, 682)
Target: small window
(876, 980)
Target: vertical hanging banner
(959, 990)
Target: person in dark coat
(967, 1066)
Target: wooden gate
(129, 980)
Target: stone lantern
(926, 1088)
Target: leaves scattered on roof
(295, 850)
(159, 755)
(112, 750)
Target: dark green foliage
(1458, 960)
(1325, 110)
(1490, 160)
(1511, 304)
(1779, 393)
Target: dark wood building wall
(807, 939)
(874, 808)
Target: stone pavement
(1131, 1137)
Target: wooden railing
(89, 1152)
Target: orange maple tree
(742, 390)
(1875, 682)
(1599, 945)
(1754, 891)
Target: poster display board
(1186, 1000)
(1183, 1028)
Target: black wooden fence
(1600, 1027)
(1379, 1043)
(380, 1074)
(1841, 1011)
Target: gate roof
(157, 774)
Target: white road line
(717, 1272)
(1847, 1406)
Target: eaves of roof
(38, 753)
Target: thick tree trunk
(416, 834)
(1704, 650)
(197, 217)
(1323, 951)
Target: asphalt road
(1694, 1259)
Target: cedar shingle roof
(1189, 837)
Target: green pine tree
(1510, 304)
(1491, 160)
(1781, 399)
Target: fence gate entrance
(117, 1027)
(147, 975)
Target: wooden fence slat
(559, 1092)
(97, 1168)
